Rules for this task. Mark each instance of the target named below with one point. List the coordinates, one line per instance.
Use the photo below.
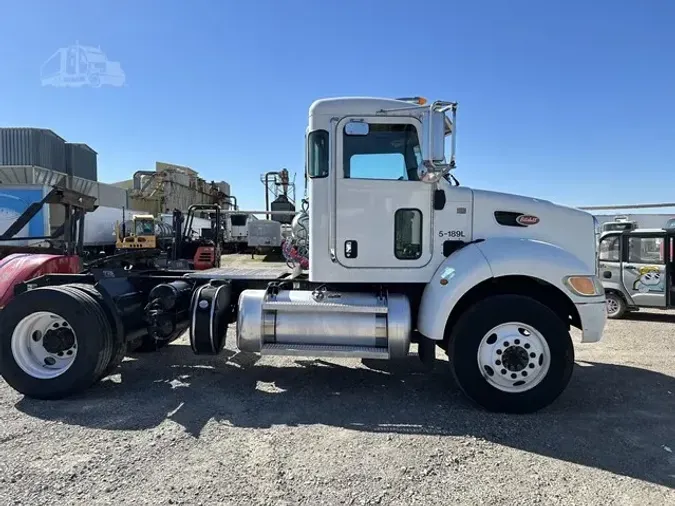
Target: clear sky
(572, 100)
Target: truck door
(382, 210)
(644, 269)
(609, 261)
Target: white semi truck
(399, 253)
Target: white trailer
(398, 253)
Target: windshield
(145, 227)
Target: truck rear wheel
(54, 342)
(119, 343)
(510, 353)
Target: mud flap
(209, 316)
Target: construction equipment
(397, 253)
(191, 250)
(142, 234)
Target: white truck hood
(569, 228)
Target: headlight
(586, 286)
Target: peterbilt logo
(527, 220)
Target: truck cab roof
(343, 106)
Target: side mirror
(433, 136)
(435, 126)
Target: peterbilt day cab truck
(398, 253)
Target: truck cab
(636, 269)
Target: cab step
(324, 350)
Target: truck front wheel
(510, 353)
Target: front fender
(494, 258)
(537, 259)
(462, 270)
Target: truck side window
(645, 250)
(317, 154)
(408, 234)
(608, 250)
(387, 152)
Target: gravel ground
(172, 428)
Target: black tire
(480, 319)
(94, 341)
(119, 342)
(616, 306)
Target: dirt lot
(172, 428)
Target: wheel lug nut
(498, 362)
(506, 344)
(532, 355)
(527, 346)
(531, 366)
(517, 341)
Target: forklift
(191, 250)
(636, 267)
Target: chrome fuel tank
(324, 323)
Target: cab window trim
(401, 122)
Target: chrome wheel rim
(514, 357)
(44, 345)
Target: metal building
(32, 146)
(81, 161)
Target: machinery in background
(279, 186)
(263, 236)
(191, 250)
(236, 239)
(245, 232)
(141, 234)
